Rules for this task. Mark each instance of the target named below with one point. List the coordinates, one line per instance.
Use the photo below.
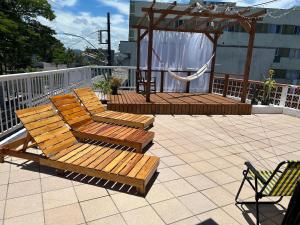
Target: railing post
(188, 83)
(137, 78)
(66, 82)
(225, 88)
(29, 91)
(162, 78)
(283, 96)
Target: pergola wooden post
(213, 62)
(138, 60)
(248, 60)
(149, 60)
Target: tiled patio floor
(201, 168)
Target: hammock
(195, 76)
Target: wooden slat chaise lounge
(83, 126)
(61, 150)
(92, 104)
(270, 183)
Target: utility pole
(107, 42)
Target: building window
(294, 53)
(288, 29)
(278, 29)
(262, 28)
(280, 73)
(282, 52)
(178, 23)
(297, 30)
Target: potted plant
(115, 83)
(104, 87)
(269, 85)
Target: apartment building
(277, 44)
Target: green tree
(22, 36)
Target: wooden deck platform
(177, 103)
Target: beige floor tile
(201, 182)
(166, 174)
(197, 203)
(177, 150)
(219, 196)
(235, 172)
(242, 214)
(126, 202)
(65, 215)
(98, 208)
(86, 192)
(158, 193)
(203, 166)
(206, 154)
(4, 167)
(23, 175)
(185, 170)
(220, 177)
(233, 188)
(24, 188)
(189, 221)
(2, 207)
(171, 210)
(220, 163)
(53, 199)
(179, 187)
(3, 191)
(190, 157)
(161, 152)
(111, 220)
(217, 216)
(34, 218)
(142, 216)
(4, 178)
(23, 205)
(172, 160)
(54, 183)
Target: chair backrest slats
(70, 109)
(287, 181)
(90, 100)
(46, 128)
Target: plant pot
(114, 90)
(103, 101)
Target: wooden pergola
(209, 19)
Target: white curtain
(178, 51)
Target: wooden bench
(92, 104)
(61, 150)
(83, 126)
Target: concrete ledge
(274, 109)
(291, 112)
(267, 109)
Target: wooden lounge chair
(83, 126)
(92, 104)
(279, 182)
(61, 150)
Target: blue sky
(84, 17)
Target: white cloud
(121, 6)
(84, 24)
(280, 4)
(63, 3)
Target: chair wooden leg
(141, 190)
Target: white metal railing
(19, 91)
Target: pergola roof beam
(181, 30)
(200, 14)
(188, 9)
(162, 16)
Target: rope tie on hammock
(194, 76)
